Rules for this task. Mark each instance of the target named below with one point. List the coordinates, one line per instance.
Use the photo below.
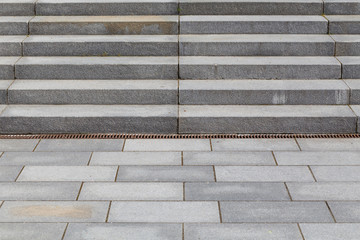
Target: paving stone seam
(332, 214)
(301, 233)
(312, 173)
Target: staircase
(179, 66)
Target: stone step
(342, 7)
(14, 25)
(11, 45)
(259, 68)
(97, 45)
(104, 25)
(347, 45)
(344, 24)
(256, 45)
(4, 85)
(350, 67)
(7, 70)
(17, 7)
(97, 68)
(250, 24)
(249, 7)
(263, 92)
(354, 85)
(266, 119)
(93, 92)
(88, 119)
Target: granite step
(14, 25)
(17, 7)
(7, 67)
(11, 45)
(342, 7)
(4, 86)
(344, 24)
(347, 45)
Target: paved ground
(180, 189)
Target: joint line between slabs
(123, 146)
(19, 173)
(214, 173)
(88, 164)
(331, 213)
(182, 158)
(302, 235)
(287, 189)
(220, 212)
(312, 174)
(273, 154)
(81, 186)
(117, 172)
(63, 236)
(183, 191)
(108, 213)
(183, 231)
(36, 145)
(297, 143)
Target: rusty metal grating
(174, 136)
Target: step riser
(347, 49)
(342, 8)
(17, 9)
(344, 27)
(13, 28)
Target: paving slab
(68, 173)
(17, 7)
(136, 158)
(354, 85)
(14, 25)
(14, 145)
(228, 158)
(346, 211)
(57, 191)
(344, 24)
(280, 212)
(318, 158)
(11, 45)
(339, 144)
(167, 145)
(235, 191)
(20, 231)
(165, 212)
(318, 231)
(347, 45)
(7, 66)
(9, 173)
(241, 231)
(336, 173)
(263, 174)
(4, 85)
(340, 7)
(113, 231)
(254, 145)
(80, 145)
(48, 211)
(165, 174)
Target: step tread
(103, 19)
(252, 18)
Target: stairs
(179, 66)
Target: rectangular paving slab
(344, 24)
(14, 25)
(16, 145)
(20, 231)
(254, 145)
(11, 45)
(45, 158)
(336, 173)
(80, 145)
(17, 7)
(136, 158)
(167, 145)
(313, 231)
(346, 212)
(341, 7)
(340, 144)
(9, 173)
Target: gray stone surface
(14, 25)
(97, 45)
(97, 68)
(136, 158)
(17, 7)
(336, 173)
(259, 68)
(350, 67)
(266, 119)
(9, 173)
(48, 211)
(247, 92)
(21, 231)
(4, 85)
(340, 144)
(7, 70)
(344, 24)
(166, 174)
(45, 158)
(346, 211)
(317, 158)
(167, 145)
(228, 158)
(165, 212)
(89, 119)
(242, 231)
(39, 191)
(356, 109)
(13, 145)
(104, 25)
(256, 45)
(354, 85)
(253, 24)
(80, 145)
(318, 231)
(281, 212)
(114, 231)
(341, 7)
(94, 92)
(11, 45)
(254, 145)
(347, 45)
(68, 173)
(235, 191)
(263, 174)
(132, 191)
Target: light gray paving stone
(350, 67)
(68, 173)
(235, 191)
(266, 119)
(324, 191)
(165, 212)
(136, 158)
(254, 145)
(80, 145)
(256, 45)
(200, 67)
(338, 144)
(354, 85)
(347, 45)
(4, 85)
(104, 25)
(94, 7)
(318, 158)
(228, 158)
(15, 145)
(246, 92)
(39, 191)
(246, 7)
(113, 231)
(336, 173)
(253, 24)
(242, 231)
(45, 158)
(49, 211)
(9, 173)
(167, 145)
(14, 25)
(97, 45)
(20, 231)
(263, 174)
(281, 212)
(346, 211)
(11, 45)
(97, 68)
(344, 24)
(340, 7)
(7, 67)
(318, 231)
(132, 191)
(165, 173)
(17, 7)
(93, 92)
(89, 119)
